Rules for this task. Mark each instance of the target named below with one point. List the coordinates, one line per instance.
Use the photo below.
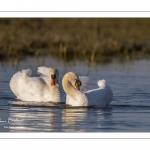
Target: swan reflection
(86, 120)
(73, 119)
(46, 117)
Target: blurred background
(94, 40)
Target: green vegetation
(74, 38)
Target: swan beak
(53, 78)
(78, 84)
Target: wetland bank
(90, 39)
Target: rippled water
(128, 112)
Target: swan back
(101, 96)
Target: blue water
(128, 112)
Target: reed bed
(91, 39)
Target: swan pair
(46, 88)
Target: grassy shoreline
(78, 38)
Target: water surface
(128, 112)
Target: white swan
(41, 89)
(100, 97)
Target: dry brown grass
(88, 38)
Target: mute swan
(41, 89)
(100, 97)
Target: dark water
(128, 112)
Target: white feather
(84, 80)
(44, 73)
(101, 96)
(101, 83)
(29, 88)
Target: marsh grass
(89, 39)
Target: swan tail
(27, 72)
(17, 79)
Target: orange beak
(52, 81)
(77, 85)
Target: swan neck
(69, 89)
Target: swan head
(53, 74)
(73, 79)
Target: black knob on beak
(78, 81)
(53, 76)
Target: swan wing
(26, 87)
(101, 96)
(44, 73)
(15, 80)
(85, 81)
(96, 97)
